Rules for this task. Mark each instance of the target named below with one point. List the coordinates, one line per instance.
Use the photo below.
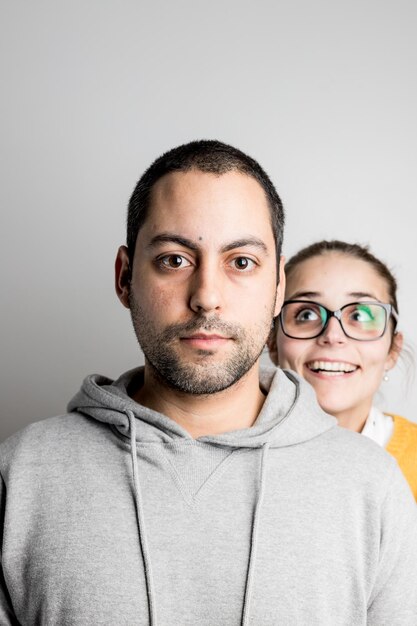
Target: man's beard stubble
(202, 378)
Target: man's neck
(232, 409)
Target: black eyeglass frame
(389, 310)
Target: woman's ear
(395, 350)
(122, 274)
(272, 346)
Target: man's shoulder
(43, 436)
(364, 460)
(355, 447)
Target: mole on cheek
(200, 239)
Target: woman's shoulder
(403, 447)
(404, 435)
(401, 423)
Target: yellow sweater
(403, 447)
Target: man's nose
(206, 290)
(333, 333)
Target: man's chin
(199, 379)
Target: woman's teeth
(331, 367)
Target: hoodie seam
(208, 483)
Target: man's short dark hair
(209, 156)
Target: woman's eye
(306, 315)
(242, 263)
(362, 314)
(173, 261)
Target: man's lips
(204, 340)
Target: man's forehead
(210, 211)
(180, 183)
(203, 206)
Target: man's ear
(122, 275)
(280, 287)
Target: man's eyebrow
(253, 242)
(191, 245)
(172, 238)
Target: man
(196, 490)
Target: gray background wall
(323, 94)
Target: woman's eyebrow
(362, 294)
(317, 294)
(305, 294)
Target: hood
(288, 395)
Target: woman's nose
(333, 333)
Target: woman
(337, 329)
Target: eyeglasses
(363, 321)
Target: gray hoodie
(113, 515)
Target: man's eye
(173, 261)
(242, 263)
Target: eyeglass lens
(360, 320)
